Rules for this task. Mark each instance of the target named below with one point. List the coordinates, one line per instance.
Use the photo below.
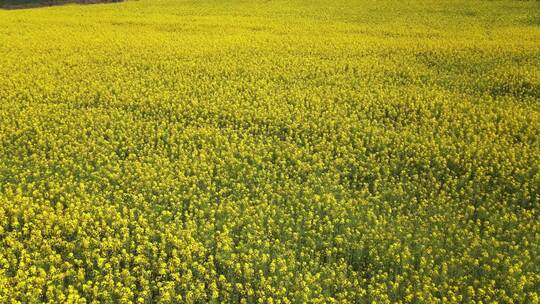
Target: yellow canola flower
(161, 151)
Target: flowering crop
(162, 151)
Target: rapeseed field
(322, 151)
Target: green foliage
(163, 151)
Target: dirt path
(14, 5)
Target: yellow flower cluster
(327, 151)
